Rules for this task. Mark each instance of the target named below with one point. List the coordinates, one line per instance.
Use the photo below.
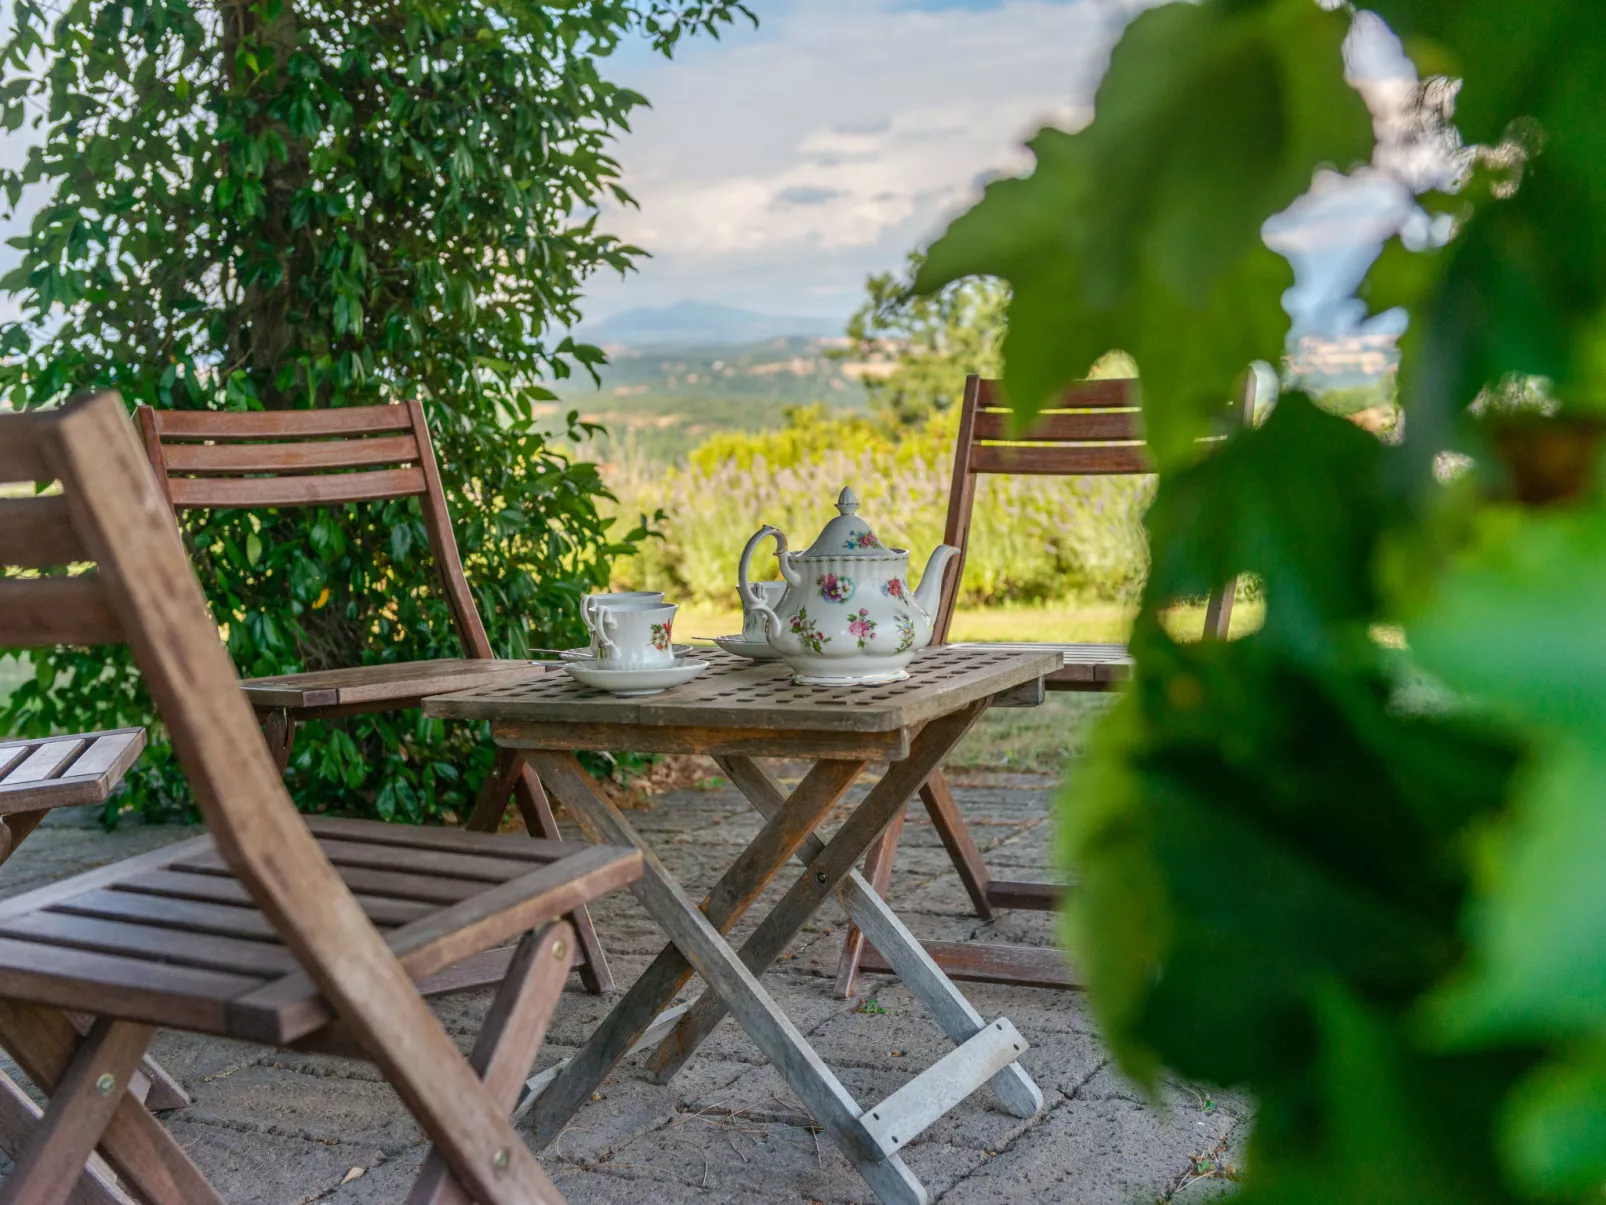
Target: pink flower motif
(835, 589)
(862, 627)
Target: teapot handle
(751, 598)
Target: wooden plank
(190, 915)
(485, 969)
(1033, 897)
(90, 778)
(977, 962)
(97, 1185)
(227, 458)
(36, 533)
(178, 947)
(902, 1117)
(368, 486)
(82, 1102)
(1089, 427)
(398, 885)
(507, 1043)
(395, 857)
(799, 1065)
(179, 884)
(432, 944)
(52, 894)
(623, 1029)
(826, 869)
(135, 1144)
(445, 840)
(22, 458)
(1083, 395)
(708, 741)
(135, 990)
(394, 684)
(43, 611)
(954, 1014)
(1066, 461)
(269, 424)
(46, 761)
(111, 754)
(10, 755)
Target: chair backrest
(110, 514)
(1095, 429)
(281, 458)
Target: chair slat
(369, 486)
(132, 988)
(224, 458)
(56, 610)
(454, 840)
(193, 915)
(422, 861)
(218, 889)
(152, 941)
(280, 424)
(111, 753)
(1112, 392)
(1064, 428)
(399, 885)
(1061, 461)
(10, 755)
(38, 532)
(47, 761)
(21, 459)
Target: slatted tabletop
(737, 693)
(1084, 663)
(62, 771)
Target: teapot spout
(928, 598)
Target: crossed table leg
(985, 1052)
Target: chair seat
(384, 687)
(62, 771)
(172, 938)
(1087, 666)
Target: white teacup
(754, 629)
(634, 635)
(591, 602)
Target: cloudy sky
(779, 166)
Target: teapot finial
(847, 502)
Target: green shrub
(1032, 539)
(293, 205)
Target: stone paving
(278, 1128)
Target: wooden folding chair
(271, 928)
(1096, 429)
(210, 459)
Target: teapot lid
(847, 534)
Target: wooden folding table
(736, 712)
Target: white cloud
(777, 169)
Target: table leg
(834, 862)
(621, 1031)
(799, 1065)
(954, 1014)
(878, 868)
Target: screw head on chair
(106, 1084)
(560, 949)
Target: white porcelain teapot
(848, 616)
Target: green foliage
(1033, 539)
(935, 339)
(1309, 868)
(292, 204)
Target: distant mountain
(700, 323)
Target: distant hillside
(667, 400)
(688, 323)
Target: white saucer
(585, 654)
(627, 683)
(753, 650)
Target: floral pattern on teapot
(835, 588)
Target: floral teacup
(633, 635)
(589, 604)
